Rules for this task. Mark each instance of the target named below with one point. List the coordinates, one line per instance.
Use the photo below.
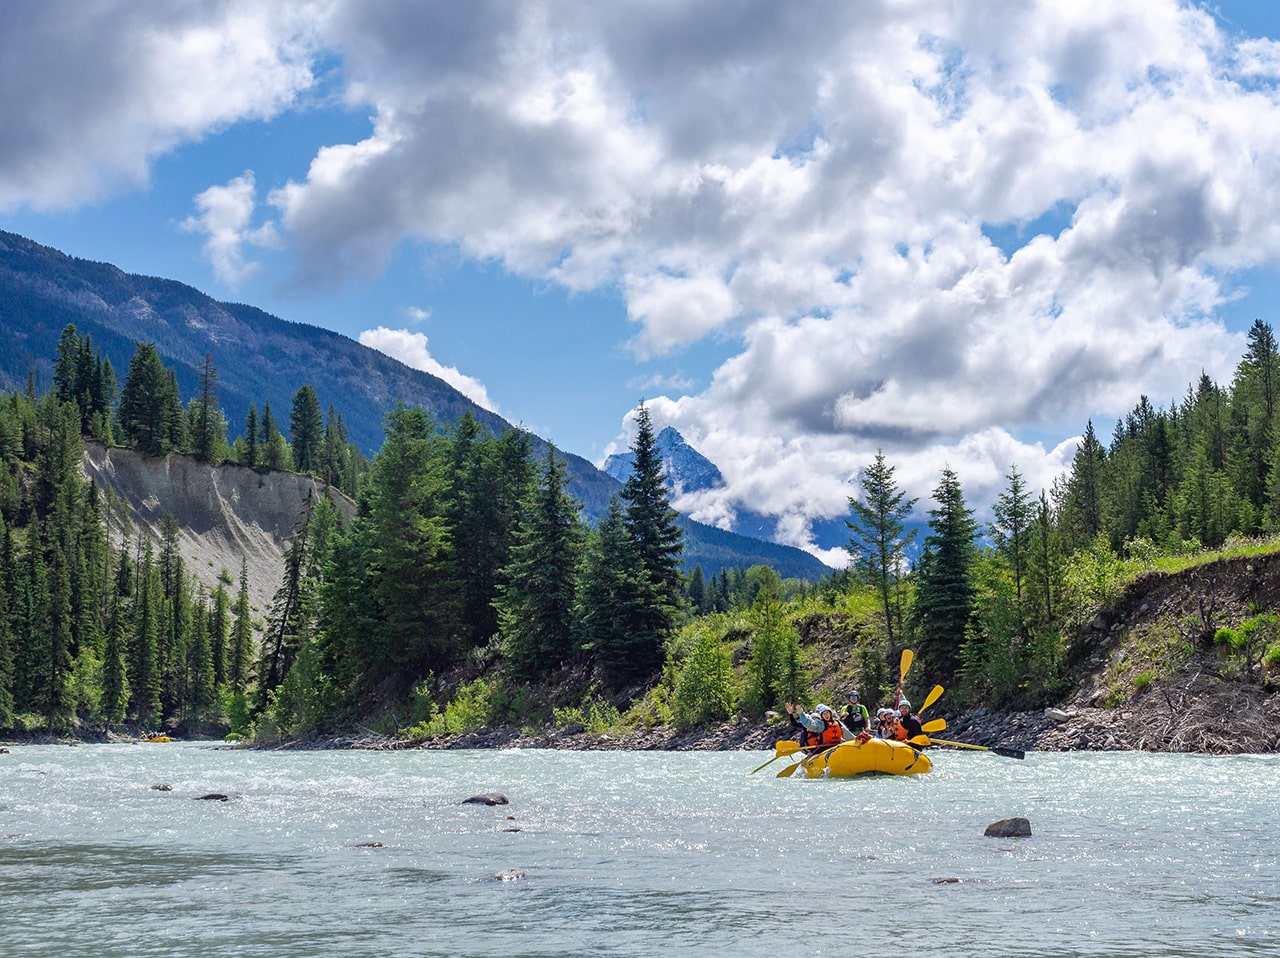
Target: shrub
(704, 690)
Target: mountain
(262, 358)
(690, 471)
(687, 469)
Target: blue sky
(801, 232)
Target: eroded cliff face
(225, 513)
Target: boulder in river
(488, 798)
(212, 797)
(1009, 828)
(509, 874)
(162, 787)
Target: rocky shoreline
(1151, 726)
(1209, 720)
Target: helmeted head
(824, 711)
(853, 696)
(904, 707)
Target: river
(630, 853)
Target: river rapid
(630, 853)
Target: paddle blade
(785, 747)
(907, 657)
(934, 694)
(1009, 752)
(919, 740)
(937, 725)
(788, 771)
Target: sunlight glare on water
(629, 853)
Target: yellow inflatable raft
(876, 756)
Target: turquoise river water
(630, 853)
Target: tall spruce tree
(240, 652)
(306, 430)
(944, 589)
(1014, 512)
(147, 404)
(651, 556)
(879, 538)
(537, 599)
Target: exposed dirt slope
(224, 512)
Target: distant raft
(875, 756)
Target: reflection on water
(629, 854)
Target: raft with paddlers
(867, 755)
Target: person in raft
(856, 716)
(820, 730)
(885, 719)
(909, 721)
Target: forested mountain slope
(263, 359)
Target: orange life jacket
(832, 734)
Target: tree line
(990, 605)
(468, 548)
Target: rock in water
(488, 798)
(212, 797)
(509, 874)
(1009, 828)
(162, 788)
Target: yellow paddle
(937, 725)
(785, 747)
(934, 694)
(1006, 752)
(791, 769)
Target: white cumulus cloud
(410, 348)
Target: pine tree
(219, 632)
(144, 642)
(146, 403)
(1014, 512)
(305, 430)
(648, 557)
(240, 651)
(7, 583)
(273, 450)
(1083, 506)
(536, 603)
(207, 426)
(251, 453)
(944, 590)
(610, 597)
(879, 541)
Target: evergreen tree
(650, 557)
(273, 450)
(1045, 565)
(699, 600)
(305, 430)
(1014, 511)
(115, 678)
(944, 592)
(207, 427)
(240, 650)
(144, 643)
(536, 604)
(219, 632)
(146, 404)
(609, 601)
(1083, 507)
(409, 551)
(7, 584)
(200, 701)
(878, 544)
(251, 454)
